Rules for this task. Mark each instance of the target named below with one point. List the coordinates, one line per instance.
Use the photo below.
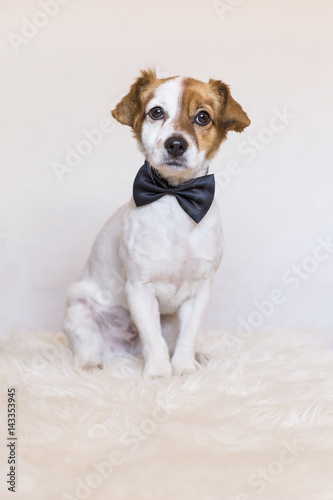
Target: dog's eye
(156, 113)
(202, 118)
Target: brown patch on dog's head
(226, 114)
(131, 109)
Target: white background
(66, 78)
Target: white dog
(151, 267)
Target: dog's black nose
(175, 146)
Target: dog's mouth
(174, 163)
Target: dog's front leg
(144, 309)
(191, 313)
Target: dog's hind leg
(81, 328)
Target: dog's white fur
(150, 267)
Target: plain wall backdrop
(60, 80)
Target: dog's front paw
(91, 366)
(88, 360)
(184, 363)
(156, 368)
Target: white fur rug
(256, 422)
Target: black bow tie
(195, 197)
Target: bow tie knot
(195, 197)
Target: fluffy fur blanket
(255, 422)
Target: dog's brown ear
(131, 107)
(232, 116)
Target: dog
(150, 271)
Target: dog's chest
(164, 247)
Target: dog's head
(179, 122)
